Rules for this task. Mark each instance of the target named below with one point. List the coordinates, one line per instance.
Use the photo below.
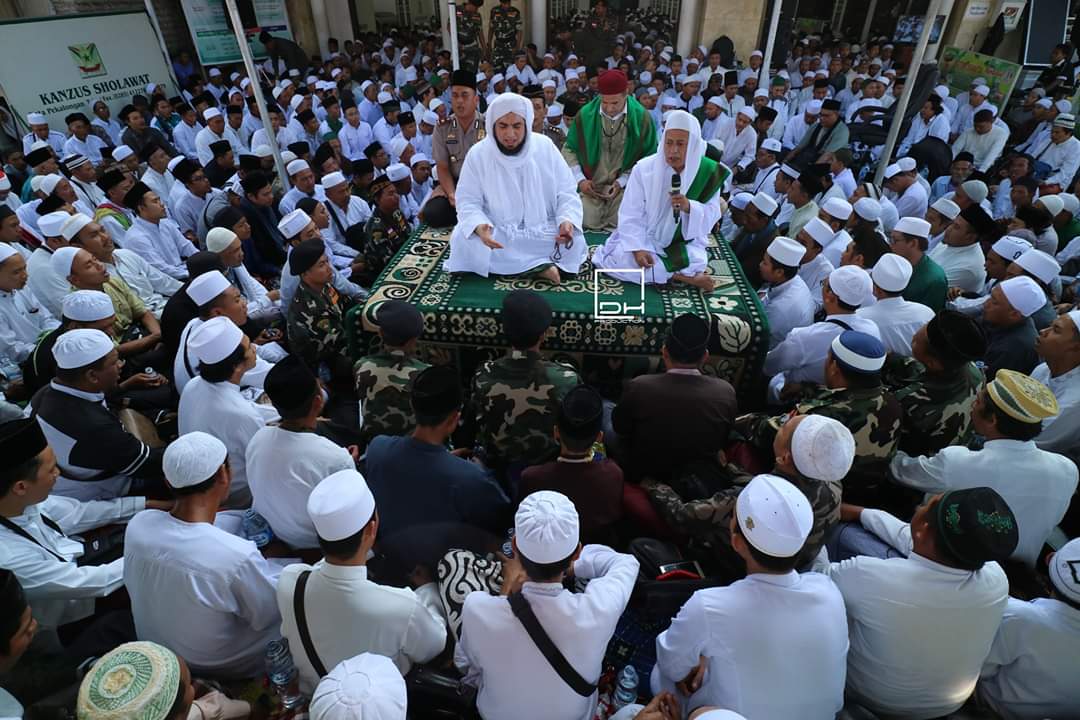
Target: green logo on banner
(87, 58)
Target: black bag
(434, 694)
(523, 611)
(662, 598)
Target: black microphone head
(676, 181)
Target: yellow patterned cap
(1022, 397)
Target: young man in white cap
(960, 253)
(1059, 347)
(195, 584)
(787, 300)
(796, 127)
(154, 236)
(344, 611)
(911, 197)
(897, 319)
(22, 318)
(48, 287)
(346, 210)
(1032, 666)
(497, 653)
(355, 134)
(303, 185)
(82, 175)
(225, 240)
(365, 687)
(1010, 331)
(212, 402)
(927, 285)
(964, 117)
(39, 130)
(213, 132)
(941, 213)
(836, 213)
(758, 229)
(422, 181)
(815, 266)
(715, 655)
(1057, 161)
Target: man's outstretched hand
(566, 234)
(485, 233)
(644, 258)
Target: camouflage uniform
(514, 402)
(936, 410)
(505, 26)
(382, 238)
(382, 382)
(315, 325)
(470, 28)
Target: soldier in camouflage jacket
(386, 231)
(314, 321)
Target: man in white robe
(517, 202)
(648, 235)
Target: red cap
(612, 82)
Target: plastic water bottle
(626, 689)
(282, 673)
(256, 529)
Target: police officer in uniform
(452, 139)
(504, 36)
(470, 30)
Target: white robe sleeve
(702, 218)
(633, 217)
(470, 199)
(567, 200)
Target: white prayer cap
(548, 84)
(1053, 203)
(365, 687)
(36, 118)
(757, 53)
(665, 56)
(891, 170)
(410, 74)
(1024, 294)
(217, 240)
(761, 92)
(215, 340)
(7, 251)
(822, 448)
(435, 104)
(719, 714)
(1045, 103)
(838, 208)
(61, 260)
(1010, 247)
(572, 73)
(430, 117)
(851, 284)
(765, 203)
(772, 145)
(209, 285)
(5, 183)
(245, 83)
(1040, 264)
(868, 209)
(653, 92)
(384, 97)
(774, 516)
(1070, 203)
(38, 144)
(295, 100)
(210, 113)
(397, 145)
(1063, 106)
(813, 107)
(81, 347)
(1065, 571)
(546, 527)
(276, 92)
(122, 152)
(260, 151)
(809, 75)
(980, 90)
(233, 75)
(214, 72)
(296, 167)
(644, 77)
(51, 224)
(174, 162)
(790, 171)
(35, 182)
(87, 306)
(974, 189)
(397, 172)
(891, 273)
(363, 86)
(913, 226)
(819, 231)
(741, 200)
(496, 78)
(333, 179)
(692, 78)
(287, 156)
(748, 112)
(193, 458)
(554, 110)
(291, 225)
(821, 74)
(49, 183)
(341, 505)
(418, 158)
(717, 100)
(946, 207)
(680, 79)
(785, 251)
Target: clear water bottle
(256, 529)
(282, 674)
(626, 688)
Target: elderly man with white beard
(519, 212)
(664, 233)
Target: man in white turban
(518, 211)
(662, 230)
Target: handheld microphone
(676, 183)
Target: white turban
(192, 459)
(822, 448)
(365, 687)
(546, 527)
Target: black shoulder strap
(523, 611)
(24, 534)
(841, 323)
(301, 624)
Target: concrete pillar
(740, 21)
(322, 24)
(538, 24)
(687, 34)
(870, 10)
(303, 25)
(365, 13)
(444, 22)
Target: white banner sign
(59, 65)
(215, 42)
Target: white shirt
(814, 274)
(283, 467)
(898, 320)
(161, 245)
(985, 148)
(1063, 159)
(260, 305)
(355, 139)
(1033, 666)
(55, 139)
(62, 592)
(202, 592)
(203, 138)
(90, 148)
(220, 409)
(794, 131)
(913, 202)
(184, 139)
(152, 286)
(788, 306)
(358, 212)
(776, 647)
(937, 127)
(919, 630)
(525, 75)
(384, 132)
(1061, 433)
(801, 356)
(1037, 485)
(347, 614)
(965, 267)
(291, 198)
(498, 656)
(22, 320)
(47, 287)
(114, 129)
(739, 147)
(253, 378)
(88, 193)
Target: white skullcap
(868, 209)
(363, 86)
(7, 251)
(891, 273)
(208, 286)
(87, 306)
(1063, 106)
(786, 251)
(365, 687)
(851, 284)
(215, 340)
(341, 505)
(719, 714)
(397, 172)
(496, 78)
(761, 92)
(813, 107)
(5, 183)
(717, 100)
(765, 203)
(418, 158)
(892, 170)
(287, 156)
(1064, 572)
(73, 224)
(291, 225)
(79, 348)
(245, 83)
(975, 189)
(819, 231)
(554, 110)
(981, 90)
(218, 239)
(295, 100)
(1040, 264)
(548, 84)
(822, 448)
(1045, 103)
(36, 118)
(775, 517)
(210, 113)
(546, 527)
(384, 97)
(652, 92)
(1070, 203)
(49, 183)
(174, 162)
(1024, 294)
(333, 179)
(906, 164)
(757, 53)
(1010, 247)
(913, 226)
(61, 260)
(397, 145)
(430, 117)
(122, 152)
(35, 183)
(748, 112)
(51, 224)
(741, 200)
(947, 208)
(772, 145)
(38, 144)
(410, 74)
(645, 77)
(1053, 203)
(214, 72)
(571, 73)
(276, 92)
(193, 458)
(942, 91)
(838, 208)
(296, 167)
(260, 151)
(435, 104)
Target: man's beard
(507, 151)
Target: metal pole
(452, 6)
(774, 24)
(909, 87)
(256, 89)
(869, 19)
